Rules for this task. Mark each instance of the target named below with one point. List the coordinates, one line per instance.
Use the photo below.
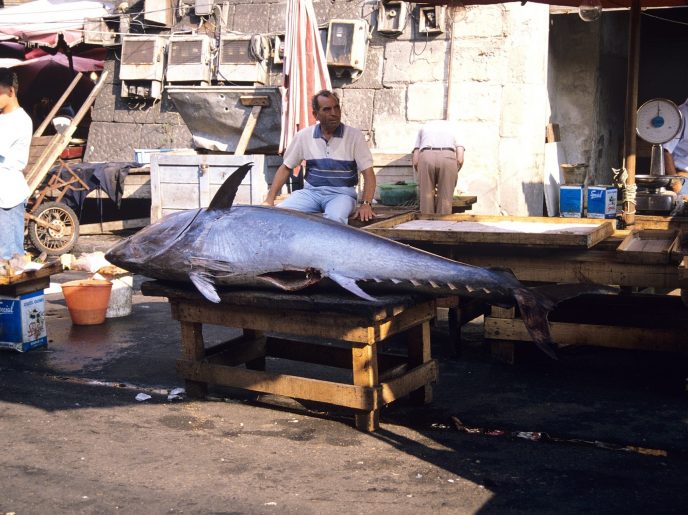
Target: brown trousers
(438, 172)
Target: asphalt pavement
(600, 431)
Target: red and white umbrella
(305, 69)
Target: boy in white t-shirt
(15, 140)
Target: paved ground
(76, 440)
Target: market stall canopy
(42, 22)
(48, 76)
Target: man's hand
(364, 213)
(269, 202)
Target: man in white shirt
(335, 155)
(676, 154)
(438, 157)
(15, 140)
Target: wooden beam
(118, 225)
(350, 396)
(49, 117)
(631, 105)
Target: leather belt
(438, 148)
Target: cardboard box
(22, 322)
(571, 200)
(602, 202)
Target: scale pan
(657, 181)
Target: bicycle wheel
(63, 232)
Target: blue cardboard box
(602, 201)
(22, 322)
(571, 200)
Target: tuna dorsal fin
(224, 198)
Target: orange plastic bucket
(87, 300)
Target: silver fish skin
(260, 246)
(253, 245)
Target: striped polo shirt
(335, 163)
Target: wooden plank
(648, 246)
(683, 271)
(350, 396)
(366, 376)
(48, 269)
(60, 102)
(248, 130)
(237, 351)
(323, 303)
(118, 225)
(571, 334)
(343, 327)
(320, 354)
(418, 343)
(24, 287)
(254, 100)
(413, 380)
(381, 159)
(559, 269)
(37, 174)
(552, 133)
(486, 229)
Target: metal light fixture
(590, 10)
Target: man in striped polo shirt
(335, 154)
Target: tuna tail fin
(534, 310)
(224, 198)
(536, 303)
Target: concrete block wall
(496, 92)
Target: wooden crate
(182, 182)
(648, 246)
(503, 230)
(29, 281)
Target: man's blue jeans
(12, 231)
(333, 203)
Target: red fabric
(305, 69)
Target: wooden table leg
(193, 349)
(366, 374)
(418, 341)
(257, 363)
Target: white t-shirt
(16, 130)
(438, 134)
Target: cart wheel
(62, 236)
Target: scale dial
(658, 121)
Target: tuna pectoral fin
(534, 315)
(203, 282)
(349, 284)
(202, 278)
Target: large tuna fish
(257, 246)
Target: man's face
(329, 113)
(6, 95)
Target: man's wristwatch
(366, 203)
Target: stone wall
(487, 71)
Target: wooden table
(558, 257)
(356, 325)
